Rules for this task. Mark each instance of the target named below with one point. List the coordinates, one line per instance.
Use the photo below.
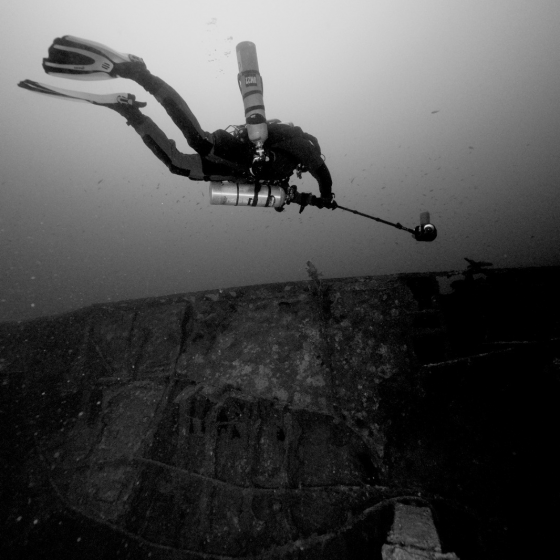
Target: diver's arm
(323, 176)
(308, 154)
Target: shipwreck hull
(278, 421)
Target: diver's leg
(218, 146)
(176, 107)
(72, 57)
(188, 165)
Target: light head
(425, 231)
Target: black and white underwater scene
(279, 280)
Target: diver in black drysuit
(220, 156)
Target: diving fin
(96, 99)
(81, 59)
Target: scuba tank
(245, 194)
(251, 88)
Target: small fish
(434, 112)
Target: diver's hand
(303, 199)
(324, 202)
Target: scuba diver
(220, 155)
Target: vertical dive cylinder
(245, 194)
(251, 87)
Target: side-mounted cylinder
(246, 194)
(251, 87)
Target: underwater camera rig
(277, 196)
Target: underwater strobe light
(426, 231)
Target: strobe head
(425, 231)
